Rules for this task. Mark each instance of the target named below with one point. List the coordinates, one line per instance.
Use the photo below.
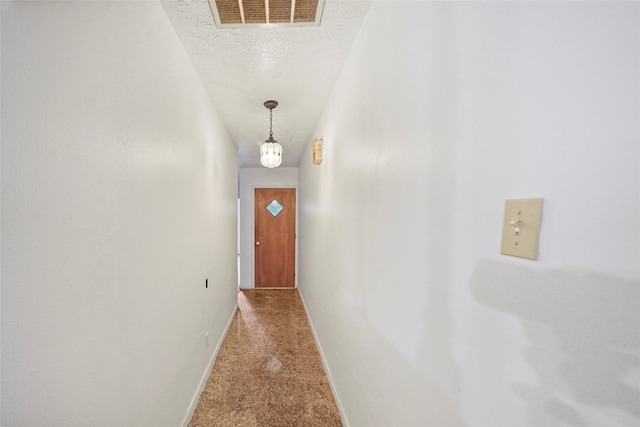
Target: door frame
(266, 218)
(250, 180)
(253, 233)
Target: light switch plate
(521, 228)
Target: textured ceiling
(242, 68)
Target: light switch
(521, 228)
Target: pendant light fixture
(271, 151)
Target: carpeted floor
(268, 371)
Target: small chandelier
(271, 151)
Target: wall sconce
(316, 150)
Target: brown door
(275, 245)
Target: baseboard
(334, 390)
(207, 372)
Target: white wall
(118, 201)
(250, 179)
(443, 111)
(0, 219)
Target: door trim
(275, 245)
(252, 256)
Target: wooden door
(275, 245)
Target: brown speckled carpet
(268, 371)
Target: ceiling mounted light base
(271, 104)
(271, 151)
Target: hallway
(126, 196)
(268, 371)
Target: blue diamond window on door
(274, 207)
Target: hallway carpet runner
(268, 372)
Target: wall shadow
(583, 330)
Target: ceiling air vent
(256, 13)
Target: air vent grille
(251, 13)
(306, 11)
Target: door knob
(257, 243)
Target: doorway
(275, 226)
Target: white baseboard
(207, 372)
(334, 390)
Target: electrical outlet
(521, 228)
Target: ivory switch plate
(521, 228)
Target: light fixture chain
(270, 122)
